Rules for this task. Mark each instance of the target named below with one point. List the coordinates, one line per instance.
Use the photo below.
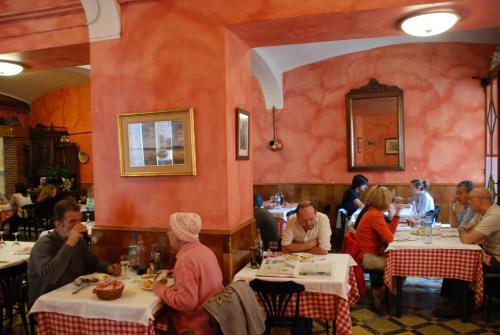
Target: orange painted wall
(443, 115)
(68, 107)
(174, 54)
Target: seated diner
(62, 255)
(374, 233)
(307, 231)
(351, 200)
(197, 277)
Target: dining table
(325, 297)
(10, 256)
(444, 257)
(281, 211)
(72, 309)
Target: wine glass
(16, 246)
(273, 246)
(2, 242)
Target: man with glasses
(461, 197)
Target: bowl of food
(109, 289)
(147, 282)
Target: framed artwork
(392, 146)
(157, 143)
(242, 134)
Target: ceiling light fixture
(429, 24)
(8, 68)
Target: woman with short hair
(374, 233)
(351, 200)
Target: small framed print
(242, 134)
(391, 146)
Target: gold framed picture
(157, 143)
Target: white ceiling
(269, 63)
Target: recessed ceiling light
(8, 68)
(429, 24)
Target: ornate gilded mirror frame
(375, 135)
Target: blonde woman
(374, 233)
(47, 198)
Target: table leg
(465, 303)
(399, 295)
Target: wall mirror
(375, 128)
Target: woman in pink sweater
(197, 277)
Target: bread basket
(109, 289)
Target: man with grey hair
(462, 197)
(307, 231)
(484, 228)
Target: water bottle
(133, 252)
(258, 247)
(142, 258)
(428, 229)
(277, 199)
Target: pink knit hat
(185, 226)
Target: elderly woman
(197, 276)
(373, 234)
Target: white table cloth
(407, 240)
(337, 284)
(7, 258)
(135, 305)
(281, 211)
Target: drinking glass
(2, 242)
(16, 246)
(273, 246)
(124, 264)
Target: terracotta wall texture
(68, 107)
(443, 115)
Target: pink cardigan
(197, 278)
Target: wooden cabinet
(50, 146)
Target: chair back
(275, 297)
(11, 283)
(29, 211)
(338, 230)
(437, 209)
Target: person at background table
(484, 228)
(351, 201)
(421, 199)
(197, 277)
(19, 199)
(266, 222)
(374, 233)
(46, 200)
(307, 231)
(61, 256)
(462, 197)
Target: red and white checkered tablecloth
(442, 263)
(324, 306)
(57, 324)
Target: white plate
(91, 279)
(299, 256)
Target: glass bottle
(133, 255)
(143, 260)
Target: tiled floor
(420, 297)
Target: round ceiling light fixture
(8, 68)
(429, 24)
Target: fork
(79, 289)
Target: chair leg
(399, 296)
(22, 312)
(11, 318)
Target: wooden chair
(338, 230)
(275, 297)
(13, 297)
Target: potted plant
(56, 173)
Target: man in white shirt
(307, 231)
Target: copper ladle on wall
(275, 144)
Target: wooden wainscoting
(323, 194)
(231, 246)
